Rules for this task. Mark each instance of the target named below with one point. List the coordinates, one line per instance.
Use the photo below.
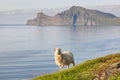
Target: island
(75, 16)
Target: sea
(28, 51)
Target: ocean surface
(28, 51)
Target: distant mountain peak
(76, 7)
(75, 15)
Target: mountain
(75, 15)
(20, 16)
(114, 9)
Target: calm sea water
(28, 51)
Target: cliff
(74, 16)
(102, 68)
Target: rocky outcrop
(105, 73)
(74, 16)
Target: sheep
(63, 58)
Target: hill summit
(75, 15)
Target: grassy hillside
(103, 68)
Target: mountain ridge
(75, 15)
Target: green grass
(85, 70)
(115, 77)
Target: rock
(118, 65)
(104, 74)
(115, 65)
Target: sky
(40, 4)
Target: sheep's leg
(61, 67)
(73, 63)
(67, 66)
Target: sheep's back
(68, 56)
(67, 53)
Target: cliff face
(74, 16)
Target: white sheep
(63, 58)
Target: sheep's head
(57, 51)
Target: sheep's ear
(54, 49)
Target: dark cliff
(75, 16)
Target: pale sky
(30, 4)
